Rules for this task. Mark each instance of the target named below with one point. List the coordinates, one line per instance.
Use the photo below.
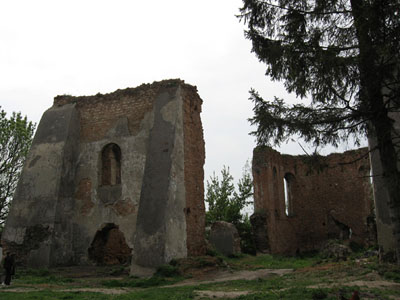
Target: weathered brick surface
(100, 147)
(194, 173)
(330, 196)
(98, 115)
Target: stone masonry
(302, 201)
(113, 178)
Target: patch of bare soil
(318, 268)
(217, 294)
(230, 276)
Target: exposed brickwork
(329, 196)
(124, 208)
(194, 173)
(99, 113)
(107, 153)
(109, 247)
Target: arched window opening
(111, 165)
(287, 185)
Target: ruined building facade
(110, 176)
(302, 201)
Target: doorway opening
(109, 246)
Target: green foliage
(310, 280)
(388, 271)
(48, 279)
(51, 295)
(247, 243)
(33, 272)
(138, 282)
(344, 57)
(167, 271)
(224, 202)
(267, 261)
(221, 205)
(16, 134)
(315, 47)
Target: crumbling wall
(124, 158)
(326, 198)
(194, 173)
(38, 224)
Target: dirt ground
(92, 276)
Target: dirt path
(238, 275)
(211, 278)
(214, 277)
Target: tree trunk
(371, 95)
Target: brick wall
(330, 198)
(99, 113)
(194, 173)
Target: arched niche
(111, 165)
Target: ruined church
(118, 179)
(113, 178)
(303, 201)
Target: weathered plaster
(61, 204)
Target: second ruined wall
(328, 198)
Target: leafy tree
(343, 55)
(226, 204)
(15, 140)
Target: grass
(272, 262)
(40, 276)
(387, 271)
(153, 294)
(142, 283)
(312, 279)
(51, 295)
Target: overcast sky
(83, 47)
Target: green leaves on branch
(278, 122)
(16, 134)
(224, 202)
(341, 55)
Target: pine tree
(343, 55)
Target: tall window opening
(287, 185)
(111, 165)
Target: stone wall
(325, 198)
(125, 166)
(194, 173)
